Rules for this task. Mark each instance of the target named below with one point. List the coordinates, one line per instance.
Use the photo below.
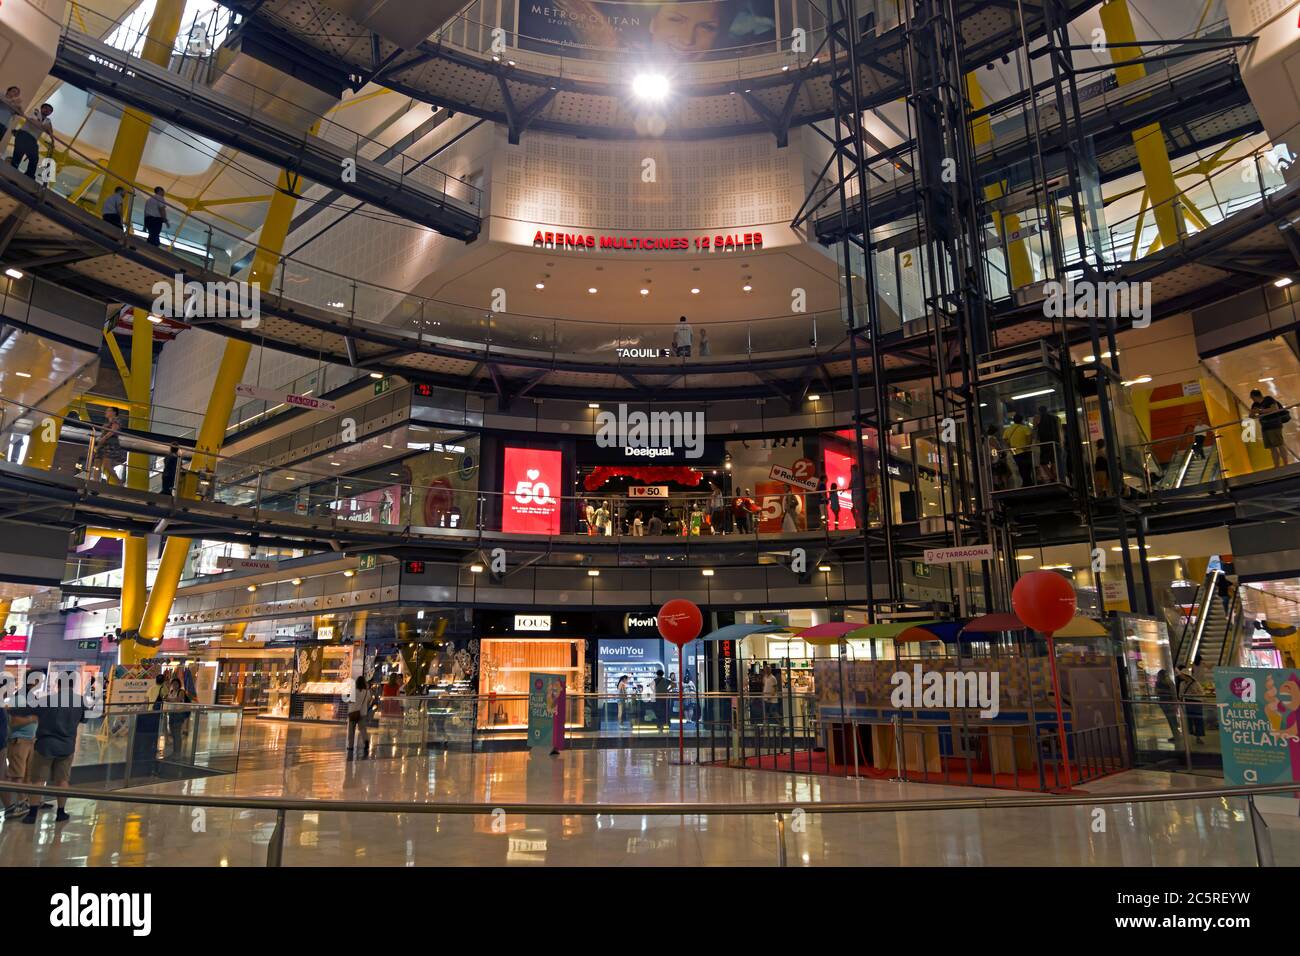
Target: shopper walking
(1101, 472)
(21, 736)
(155, 216)
(359, 718)
(58, 718)
(114, 206)
(1191, 694)
(110, 454)
(662, 687)
(1019, 438)
(1167, 693)
(27, 140)
(178, 714)
(683, 336)
(1272, 417)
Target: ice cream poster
(546, 707)
(1259, 724)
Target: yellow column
(44, 442)
(1234, 456)
(5, 605)
(133, 130)
(1021, 273)
(212, 433)
(1153, 155)
(123, 168)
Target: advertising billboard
(839, 472)
(531, 479)
(668, 30)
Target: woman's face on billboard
(687, 28)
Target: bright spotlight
(651, 87)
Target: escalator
(1212, 630)
(1186, 470)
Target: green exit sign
(382, 385)
(368, 562)
(920, 570)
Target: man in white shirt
(27, 146)
(155, 215)
(113, 207)
(682, 338)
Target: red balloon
(680, 621)
(1044, 600)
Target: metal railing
(778, 812)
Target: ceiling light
(252, 588)
(376, 374)
(388, 446)
(593, 573)
(297, 581)
(1055, 567)
(155, 319)
(334, 464)
(1140, 380)
(540, 285)
(814, 398)
(592, 290)
(336, 305)
(349, 573)
(651, 87)
(23, 374)
(707, 572)
(13, 273)
(747, 287)
(593, 404)
(824, 568)
(476, 569)
(645, 291)
(1269, 379)
(1034, 394)
(1024, 557)
(1281, 283)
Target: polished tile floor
(307, 762)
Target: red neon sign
(722, 242)
(839, 472)
(530, 485)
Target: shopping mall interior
(673, 433)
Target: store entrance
(639, 500)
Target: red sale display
(531, 482)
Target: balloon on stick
(680, 622)
(1046, 602)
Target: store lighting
(651, 87)
(1263, 380)
(593, 573)
(824, 568)
(645, 291)
(1024, 557)
(1281, 283)
(388, 446)
(23, 374)
(334, 464)
(814, 398)
(1140, 380)
(349, 573)
(707, 572)
(376, 374)
(747, 287)
(476, 569)
(592, 291)
(695, 292)
(1033, 394)
(155, 319)
(540, 285)
(13, 273)
(252, 588)
(297, 582)
(593, 404)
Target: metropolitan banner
(1259, 724)
(670, 30)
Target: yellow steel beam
(1021, 272)
(133, 129)
(5, 605)
(122, 169)
(44, 441)
(1153, 155)
(212, 432)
